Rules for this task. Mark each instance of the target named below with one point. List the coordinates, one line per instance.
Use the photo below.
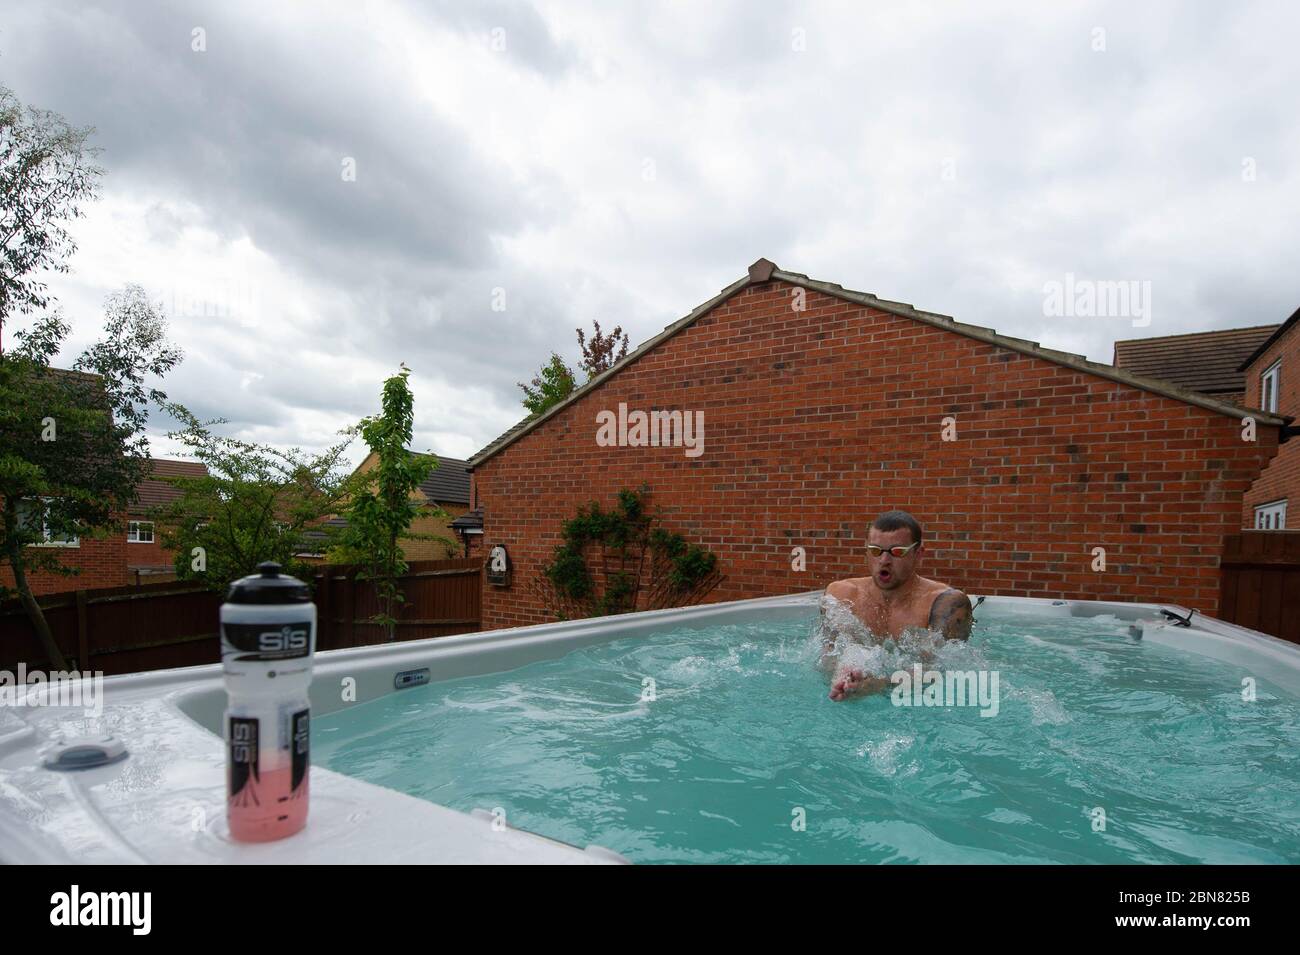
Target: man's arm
(846, 680)
(951, 615)
(840, 592)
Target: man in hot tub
(895, 598)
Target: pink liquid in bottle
(267, 785)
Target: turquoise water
(741, 757)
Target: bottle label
(300, 743)
(253, 642)
(243, 761)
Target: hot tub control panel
(408, 678)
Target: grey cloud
(257, 129)
(1116, 165)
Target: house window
(1268, 385)
(139, 532)
(1270, 517)
(30, 514)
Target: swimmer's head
(892, 534)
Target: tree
(72, 443)
(381, 512)
(47, 173)
(552, 384)
(256, 503)
(599, 354)
(556, 381)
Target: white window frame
(1271, 516)
(45, 529)
(133, 532)
(1269, 383)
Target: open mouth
(884, 576)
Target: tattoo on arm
(951, 614)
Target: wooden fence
(1259, 582)
(442, 598)
(163, 625)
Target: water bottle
(268, 636)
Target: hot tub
(704, 734)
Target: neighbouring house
(316, 540)
(1244, 366)
(146, 556)
(447, 487)
(1208, 362)
(1273, 384)
(132, 556)
(820, 407)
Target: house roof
(315, 535)
(469, 521)
(71, 378)
(153, 491)
(1268, 342)
(72, 374)
(1208, 362)
(448, 483)
(764, 270)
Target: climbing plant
(622, 559)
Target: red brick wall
(101, 562)
(1281, 478)
(817, 421)
(474, 544)
(152, 555)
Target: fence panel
(1259, 582)
(170, 624)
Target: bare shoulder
(951, 613)
(846, 590)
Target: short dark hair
(896, 521)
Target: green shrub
(629, 533)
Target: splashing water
(845, 642)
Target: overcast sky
(626, 161)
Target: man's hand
(853, 680)
(845, 682)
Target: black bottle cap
(268, 587)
